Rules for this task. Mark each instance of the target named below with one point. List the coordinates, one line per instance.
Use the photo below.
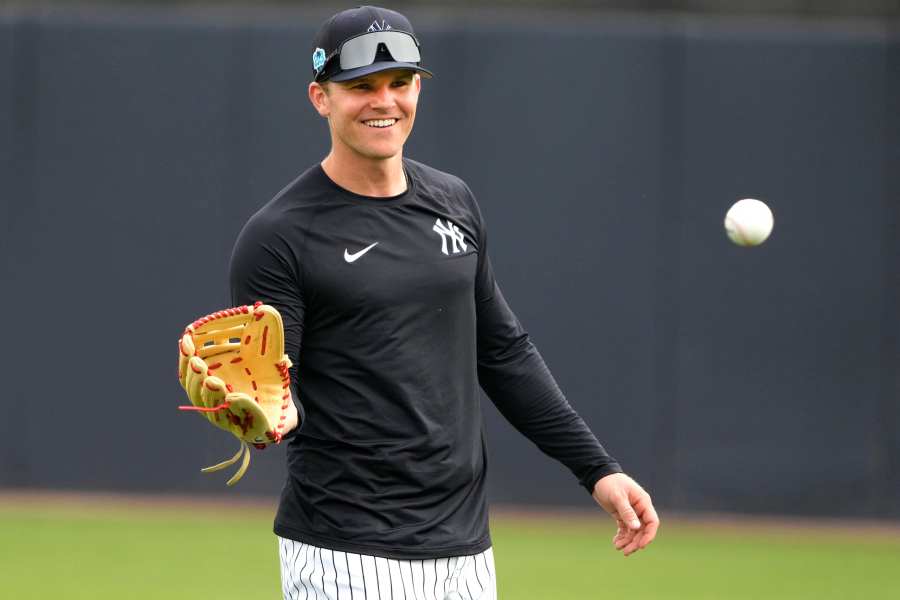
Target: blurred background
(604, 141)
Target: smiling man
(393, 319)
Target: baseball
(749, 222)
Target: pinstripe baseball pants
(313, 573)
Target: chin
(379, 153)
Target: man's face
(373, 115)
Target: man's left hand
(630, 505)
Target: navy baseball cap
(364, 40)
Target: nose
(382, 97)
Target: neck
(380, 178)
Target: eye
(361, 86)
(400, 83)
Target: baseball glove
(233, 367)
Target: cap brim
(379, 66)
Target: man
(393, 318)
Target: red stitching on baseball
(265, 337)
(254, 385)
(247, 340)
(236, 360)
(215, 366)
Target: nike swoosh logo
(352, 257)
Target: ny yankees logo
(452, 231)
(376, 26)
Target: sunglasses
(361, 50)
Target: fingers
(634, 544)
(640, 538)
(648, 535)
(625, 513)
(640, 541)
(624, 536)
(632, 508)
(650, 520)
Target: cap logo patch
(318, 59)
(376, 26)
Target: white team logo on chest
(451, 232)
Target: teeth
(380, 122)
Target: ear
(418, 80)
(318, 97)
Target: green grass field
(137, 551)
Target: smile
(380, 123)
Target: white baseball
(749, 222)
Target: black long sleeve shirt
(393, 318)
